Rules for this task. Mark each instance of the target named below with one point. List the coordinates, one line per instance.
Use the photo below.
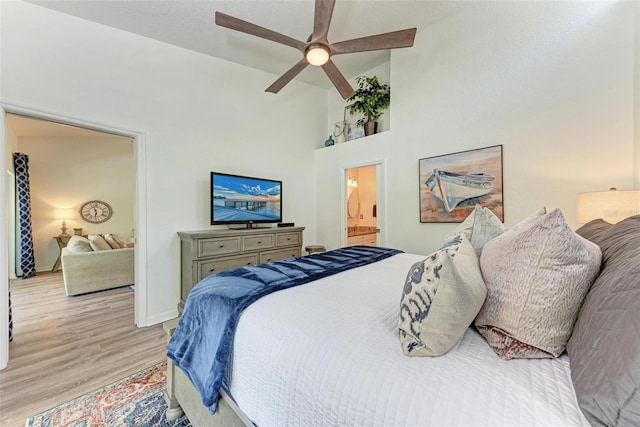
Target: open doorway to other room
(361, 206)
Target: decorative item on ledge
(329, 141)
(340, 131)
(612, 206)
(77, 231)
(370, 99)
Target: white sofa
(85, 272)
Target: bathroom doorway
(362, 206)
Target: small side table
(314, 249)
(62, 242)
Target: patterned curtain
(10, 319)
(25, 261)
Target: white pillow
(79, 244)
(537, 275)
(441, 297)
(98, 243)
(479, 227)
(112, 240)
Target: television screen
(239, 199)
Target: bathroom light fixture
(63, 214)
(612, 206)
(317, 54)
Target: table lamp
(63, 214)
(612, 206)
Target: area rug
(133, 401)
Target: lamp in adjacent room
(612, 206)
(63, 214)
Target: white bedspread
(328, 354)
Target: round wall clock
(96, 211)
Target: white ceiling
(190, 24)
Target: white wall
(67, 172)
(553, 82)
(197, 114)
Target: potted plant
(370, 99)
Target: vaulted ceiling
(190, 24)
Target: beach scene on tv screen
(245, 199)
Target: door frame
(381, 201)
(140, 214)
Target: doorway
(363, 202)
(140, 225)
(67, 166)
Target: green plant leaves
(370, 99)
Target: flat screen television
(237, 199)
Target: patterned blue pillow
(441, 297)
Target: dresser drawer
(257, 242)
(207, 268)
(281, 254)
(363, 239)
(218, 246)
(288, 239)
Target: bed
(327, 353)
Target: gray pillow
(441, 297)
(537, 275)
(593, 230)
(604, 349)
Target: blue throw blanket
(202, 343)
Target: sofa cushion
(441, 297)
(479, 227)
(98, 243)
(604, 349)
(79, 244)
(537, 275)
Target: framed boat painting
(452, 184)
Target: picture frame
(450, 185)
(354, 131)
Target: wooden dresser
(204, 253)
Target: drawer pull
(213, 269)
(221, 246)
(268, 259)
(259, 241)
(288, 238)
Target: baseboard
(162, 317)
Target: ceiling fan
(317, 50)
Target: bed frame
(183, 398)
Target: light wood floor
(64, 347)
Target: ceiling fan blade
(343, 86)
(392, 40)
(288, 76)
(227, 21)
(322, 19)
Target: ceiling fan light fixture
(317, 54)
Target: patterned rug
(133, 401)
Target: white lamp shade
(63, 213)
(612, 206)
